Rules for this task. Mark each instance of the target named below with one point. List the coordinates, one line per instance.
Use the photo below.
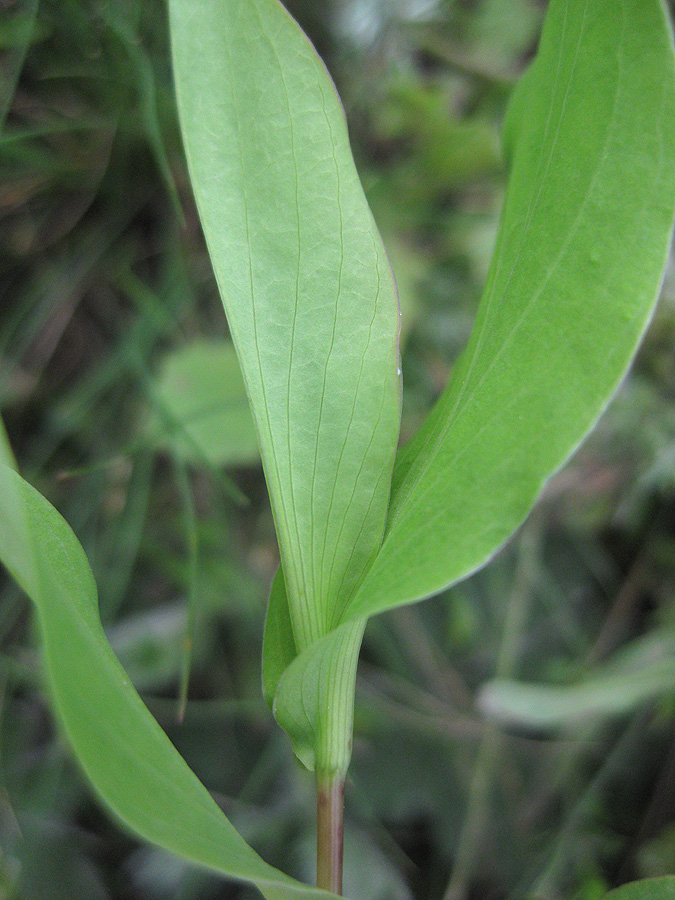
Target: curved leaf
(306, 286)
(311, 693)
(582, 244)
(130, 761)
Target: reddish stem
(330, 830)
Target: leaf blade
(130, 761)
(279, 649)
(306, 285)
(563, 309)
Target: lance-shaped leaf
(130, 761)
(581, 248)
(306, 286)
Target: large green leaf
(577, 267)
(130, 761)
(306, 286)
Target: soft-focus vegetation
(108, 306)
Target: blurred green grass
(106, 283)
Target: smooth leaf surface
(306, 286)
(577, 268)
(311, 693)
(647, 889)
(642, 671)
(130, 761)
(202, 410)
(279, 649)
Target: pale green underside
(306, 286)
(581, 248)
(582, 243)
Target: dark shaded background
(104, 281)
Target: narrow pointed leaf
(306, 286)
(578, 264)
(130, 761)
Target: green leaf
(314, 699)
(306, 286)
(311, 693)
(647, 889)
(581, 248)
(279, 649)
(643, 670)
(6, 454)
(130, 761)
(202, 407)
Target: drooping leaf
(305, 283)
(202, 409)
(130, 761)
(642, 671)
(581, 248)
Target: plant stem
(330, 792)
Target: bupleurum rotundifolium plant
(362, 525)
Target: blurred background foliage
(110, 334)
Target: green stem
(330, 832)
